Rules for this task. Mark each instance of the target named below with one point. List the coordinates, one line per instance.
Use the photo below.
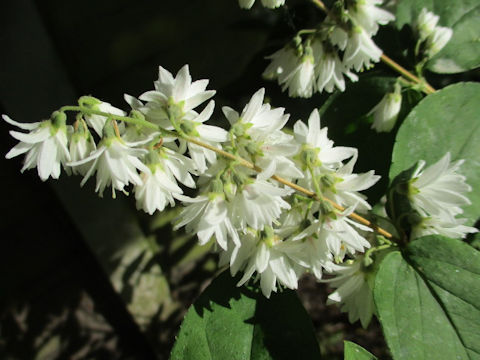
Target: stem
(426, 87)
(89, 111)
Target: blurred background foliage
(89, 278)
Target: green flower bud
(88, 101)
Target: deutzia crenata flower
(174, 96)
(360, 51)
(426, 23)
(259, 204)
(212, 135)
(294, 71)
(329, 69)
(438, 226)
(115, 161)
(208, 215)
(437, 194)
(311, 252)
(366, 14)
(272, 4)
(385, 113)
(97, 122)
(439, 189)
(438, 40)
(263, 253)
(353, 292)
(317, 148)
(81, 146)
(45, 145)
(436, 37)
(159, 186)
(258, 130)
(343, 186)
(339, 233)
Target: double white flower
(46, 146)
(438, 194)
(159, 186)
(435, 37)
(353, 292)
(115, 162)
(262, 126)
(266, 257)
(174, 99)
(385, 113)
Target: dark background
(71, 262)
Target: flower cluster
(324, 57)
(245, 204)
(126, 153)
(260, 226)
(437, 193)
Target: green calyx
(327, 210)
(188, 127)
(309, 157)
(267, 235)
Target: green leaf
(229, 322)
(356, 352)
(428, 300)
(462, 52)
(447, 120)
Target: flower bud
(385, 113)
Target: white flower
(329, 70)
(159, 186)
(294, 72)
(45, 146)
(439, 189)
(262, 125)
(385, 113)
(272, 4)
(426, 23)
(207, 216)
(212, 135)
(81, 146)
(352, 293)
(116, 163)
(265, 257)
(438, 226)
(338, 36)
(345, 187)
(360, 51)
(340, 234)
(436, 37)
(259, 204)
(317, 146)
(366, 14)
(97, 122)
(179, 91)
(310, 252)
